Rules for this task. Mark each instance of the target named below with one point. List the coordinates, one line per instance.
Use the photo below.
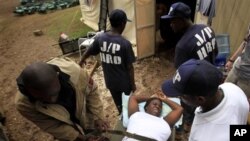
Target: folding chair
(84, 43)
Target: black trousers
(117, 97)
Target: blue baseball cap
(178, 10)
(195, 78)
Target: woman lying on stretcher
(150, 123)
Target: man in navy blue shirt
(197, 42)
(117, 58)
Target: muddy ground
(19, 47)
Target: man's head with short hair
(118, 17)
(41, 81)
(118, 20)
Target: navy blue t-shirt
(198, 42)
(116, 53)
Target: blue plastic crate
(221, 60)
(223, 49)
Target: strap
(123, 133)
(130, 135)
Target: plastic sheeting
(207, 7)
(90, 12)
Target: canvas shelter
(141, 32)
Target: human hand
(162, 97)
(81, 63)
(101, 125)
(159, 95)
(228, 66)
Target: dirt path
(19, 47)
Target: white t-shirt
(214, 125)
(148, 125)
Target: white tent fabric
(90, 15)
(90, 12)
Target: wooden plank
(145, 28)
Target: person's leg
(188, 117)
(244, 85)
(2, 117)
(231, 77)
(3, 136)
(117, 97)
(182, 132)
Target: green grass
(67, 21)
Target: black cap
(178, 10)
(117, 17)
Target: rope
(72, 21)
